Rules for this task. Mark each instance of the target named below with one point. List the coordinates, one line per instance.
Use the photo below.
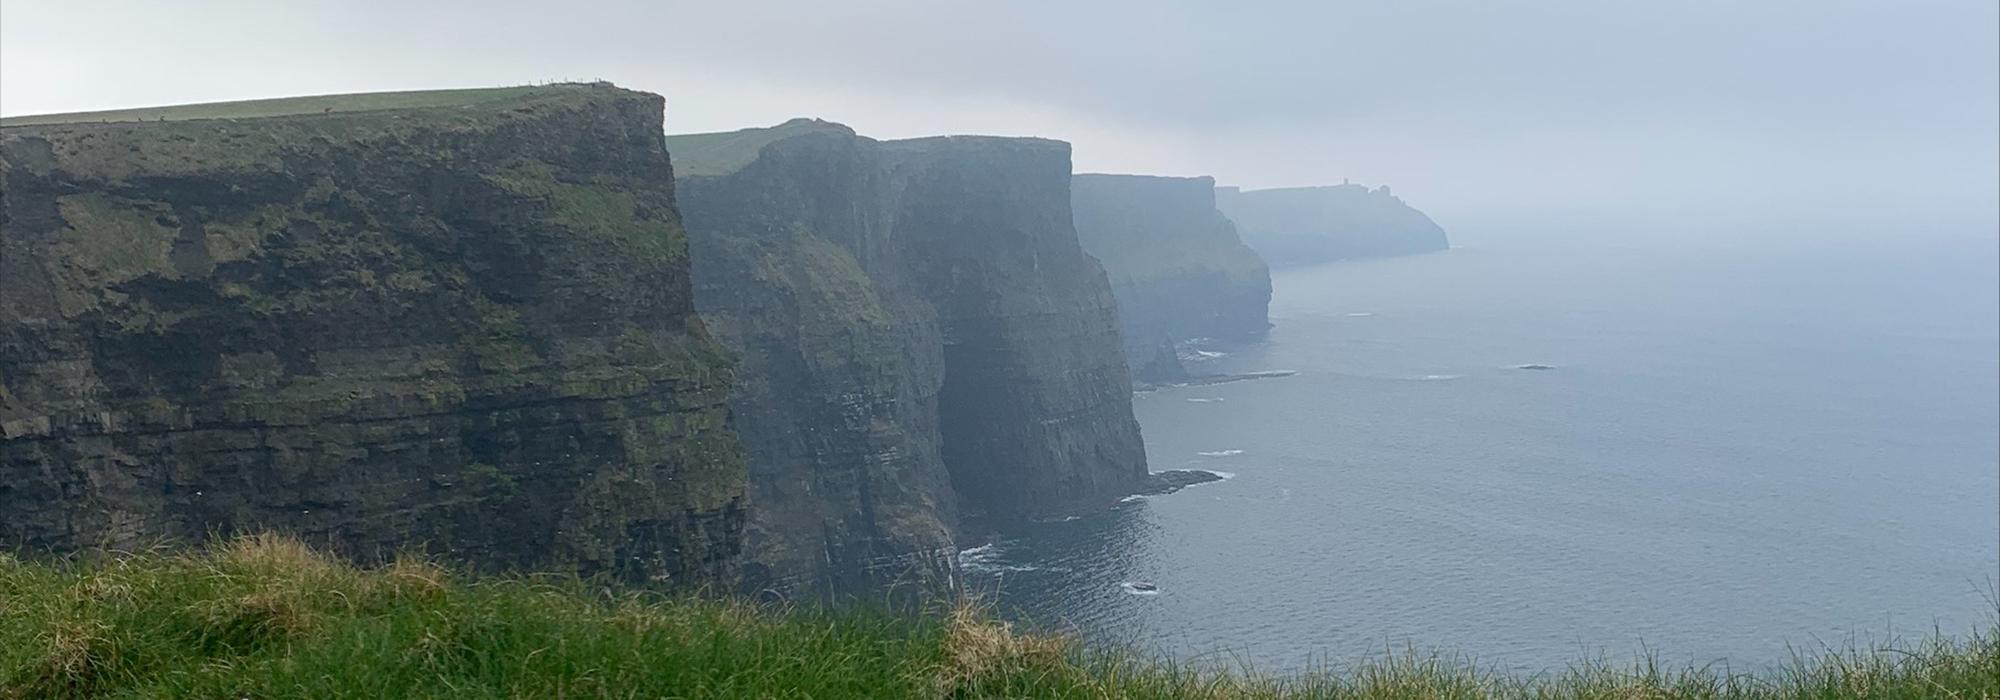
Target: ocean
(1744, 444)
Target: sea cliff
(1176, 266)
(1310, 225)
(922, 338)
(458, 319)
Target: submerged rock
(1140, 588)
(1159, 483)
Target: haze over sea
(1749, 441)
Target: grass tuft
(977, 647)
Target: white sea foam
(988, 566)
(1133, 498)
(1198, 399)
(1207, 355)
(986, 558)
(1438, 377)
(1225, 476)
(1361, 314)
(1221, 453)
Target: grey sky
(1827, 108)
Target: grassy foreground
(267, 617)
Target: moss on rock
(462, 320)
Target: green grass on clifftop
(266, 617)
(315, 104)
(725, 152)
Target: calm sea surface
(1745, 442)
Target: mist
(1809, 111)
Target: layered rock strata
(459, 320)
(922, 339)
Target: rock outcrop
(921, 338)
(1310, 225)
(463, 321)
(1176, 266)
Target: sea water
(1742, 445)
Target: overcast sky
(1820, 107)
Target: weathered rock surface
(1310, 225)
(466, 323)
(1176, 266)
(837, 403)
(921, 338)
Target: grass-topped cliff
(454, 318)
(313, 104)
(269, 618)
(921, 337)
(725, 152)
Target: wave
(991, 567)
(1134, 498)
(1438, 377)
(986, 558)
(1207, 355)
(1221, 453)
(1225, 476)
(1197, 399)
(1361, 314)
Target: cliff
(842, 364)
(460, 318)
(1176, 266)
(1309, 225)
(921, 337)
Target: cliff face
(1036, 407)
(837, 401)
(1309, 225)
(466, 322)
(920, 335)
(1176, 266)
